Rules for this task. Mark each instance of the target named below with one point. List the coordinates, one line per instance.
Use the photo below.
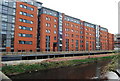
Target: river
(84, 71)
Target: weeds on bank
(113, 65)
(22, 68)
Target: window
(47, 18)
(25, 28)
(67, 29)
(55, 32)
(4, 9)
(81, 23)
(32, 9)
(81, 41)
(47, 24)
(81, 36)
(55, 20)
(87, 33)
(55, 38)
(72, 40)
(72, 25)
(72, 30)
(87, 37)
(81, 45)
(72, 45)
(67, 24)
(25, 35)
(4, 18)
(77, 36)
(21, 13)
(72, 35)
(26, 21)
(13, 19)
(12, 27)
(81, 27)
(4, 26)
(47, 43)
(67, 35)
(5, 2)
(86, 28)
(26, 14)
(76, 26)
(26, 7)
(14, 4)
(21, 5)
(25, 42)
(81, 32)
(31, 22)
(55, 26)
(47, 31)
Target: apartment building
(117, 41)
(28, 26)
(19, 25)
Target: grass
(113, 65)
(22, 68)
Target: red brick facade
(17, 38)
(44, 29)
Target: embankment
(23, 68)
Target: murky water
(84, 71)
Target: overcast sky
(100, 12)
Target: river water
(84, 71)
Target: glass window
(25, 6)
(31, 29)
(55, 32)
(31, 22)
(13, 19)
(24, 20)
(14, 4)
(46, 18)
(14, 11)
(47, 31)
(72, 30)
(31, 15)
(81, 27)
(25, 13)
(21, 5)
(31, 9)
(81, 32)
(4, 26)
(72, 25)
(55, 20)
(4, 18)
(45, 11)
(20, 20)
(21, 13)
(54, 38)
(4, 8)
(54, 26)
(20, 27)
(5, 2)
(47, 24)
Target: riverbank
(24, 68)
(110, 70)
